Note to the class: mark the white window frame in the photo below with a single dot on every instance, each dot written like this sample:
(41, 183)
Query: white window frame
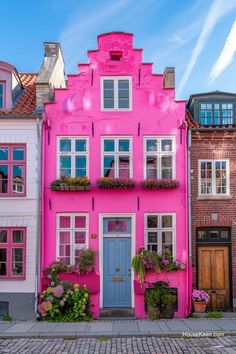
(72, 231)
(214, 194)
(159, 231)
(72, 153)
(159, 154)
(116, 79)
(116, 153)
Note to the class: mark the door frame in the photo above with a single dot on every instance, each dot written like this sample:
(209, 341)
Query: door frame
(133, 243)
(214, 244)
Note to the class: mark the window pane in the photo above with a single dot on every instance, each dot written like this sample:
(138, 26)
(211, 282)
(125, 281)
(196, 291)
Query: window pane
(17, 261)
(108, 103)
(152, 237)
(3, 179)
(206, 177)
(166, 145)
(124, 166)
(80, 237)
(1, 89)
(166, 221)
(214, 234)
(123, 103)
(108, 84)
(117, 225)
(1, 101)
(80, 222)
(18, 154)
(166, 164)
(151, 145)
(109, 145)
(3, 259)
(80, 145)
(3, 236)
(108, 93)
(80, 166)
(64, 222)
(123, 145)
(65, 166)
(220, 171)
(64, 250)
(152, 221)
(3, 154)
(123, 94)
(151, 165)
(18, 179)
(109, 166)
(64, 237)
(167, 237)
(201, 234)
(18, 236)
(65, 145)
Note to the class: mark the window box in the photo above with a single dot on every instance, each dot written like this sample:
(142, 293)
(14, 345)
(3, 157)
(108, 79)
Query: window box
(71, 184)
(115, 183)
(159, 184)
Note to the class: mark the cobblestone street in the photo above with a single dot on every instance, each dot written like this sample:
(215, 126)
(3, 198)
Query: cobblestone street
(119, 345)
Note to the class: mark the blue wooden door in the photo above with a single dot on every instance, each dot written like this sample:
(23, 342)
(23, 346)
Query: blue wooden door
(117, 272)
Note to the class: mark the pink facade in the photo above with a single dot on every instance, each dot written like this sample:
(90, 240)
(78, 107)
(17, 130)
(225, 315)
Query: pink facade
(153, 114)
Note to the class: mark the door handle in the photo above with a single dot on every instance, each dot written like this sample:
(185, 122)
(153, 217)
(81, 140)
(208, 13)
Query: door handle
(117, 269)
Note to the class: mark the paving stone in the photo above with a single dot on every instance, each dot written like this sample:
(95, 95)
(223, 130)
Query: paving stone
(100, 327)
(225, 324)
(71, 327)
(126, 327)
(202, 325)
(20, 327)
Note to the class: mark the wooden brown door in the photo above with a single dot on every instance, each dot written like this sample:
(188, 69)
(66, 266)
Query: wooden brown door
(213, 275)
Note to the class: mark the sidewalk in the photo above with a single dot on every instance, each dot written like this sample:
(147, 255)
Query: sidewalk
(124, 328)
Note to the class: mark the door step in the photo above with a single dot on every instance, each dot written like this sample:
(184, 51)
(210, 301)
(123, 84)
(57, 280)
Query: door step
(117, 313)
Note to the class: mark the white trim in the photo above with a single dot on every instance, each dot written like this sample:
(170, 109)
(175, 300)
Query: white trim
(116, 79)
(133, 243)
(213, 179)
(160, 229)
(117, 153)
(159, 154)
(72, 231)
(73, 153)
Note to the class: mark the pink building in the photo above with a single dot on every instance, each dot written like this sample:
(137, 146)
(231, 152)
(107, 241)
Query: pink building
(117, 119)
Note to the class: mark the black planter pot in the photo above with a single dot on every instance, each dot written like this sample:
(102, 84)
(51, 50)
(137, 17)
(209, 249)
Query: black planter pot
(167, 313)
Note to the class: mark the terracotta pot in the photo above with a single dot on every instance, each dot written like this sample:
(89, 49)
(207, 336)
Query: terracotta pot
(199, 306)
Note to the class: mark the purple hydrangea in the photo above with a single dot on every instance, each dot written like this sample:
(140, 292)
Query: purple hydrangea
(58, 291)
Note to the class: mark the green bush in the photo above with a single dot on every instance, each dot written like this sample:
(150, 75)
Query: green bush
(214, 314)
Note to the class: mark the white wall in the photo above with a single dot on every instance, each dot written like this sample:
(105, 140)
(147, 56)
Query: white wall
(21, 211)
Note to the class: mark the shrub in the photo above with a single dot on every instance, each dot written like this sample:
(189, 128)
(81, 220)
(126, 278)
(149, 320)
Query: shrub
(115, 183)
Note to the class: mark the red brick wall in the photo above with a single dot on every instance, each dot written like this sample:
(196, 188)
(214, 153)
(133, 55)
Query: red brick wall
(214, 145)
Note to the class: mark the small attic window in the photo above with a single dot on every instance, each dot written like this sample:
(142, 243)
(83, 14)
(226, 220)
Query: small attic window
(2, 88)
(116, 55)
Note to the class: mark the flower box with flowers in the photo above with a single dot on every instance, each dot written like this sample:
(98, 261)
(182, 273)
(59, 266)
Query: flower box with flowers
(159, 184)
(71, 184)
(115, 183)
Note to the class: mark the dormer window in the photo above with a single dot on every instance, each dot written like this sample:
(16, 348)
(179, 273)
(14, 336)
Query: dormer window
(217, 113)
(116, 55)
(2, 98)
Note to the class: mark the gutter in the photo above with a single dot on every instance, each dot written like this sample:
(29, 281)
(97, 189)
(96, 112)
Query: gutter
(38, 216)
(189, 217)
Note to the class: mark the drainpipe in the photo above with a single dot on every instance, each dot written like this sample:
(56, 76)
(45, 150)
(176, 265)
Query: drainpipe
(189, 217)
(38, 213)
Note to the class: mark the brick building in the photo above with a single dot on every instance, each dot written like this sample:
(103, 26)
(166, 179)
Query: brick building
(212, 147)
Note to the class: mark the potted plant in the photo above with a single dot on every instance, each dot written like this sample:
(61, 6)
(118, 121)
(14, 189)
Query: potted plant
(200, 299)
(145, 261)
(115, 183)
(153, 301)
(168, 300)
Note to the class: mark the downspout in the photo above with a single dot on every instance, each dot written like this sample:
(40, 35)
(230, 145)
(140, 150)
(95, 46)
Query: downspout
(38, 216)
(189, 219)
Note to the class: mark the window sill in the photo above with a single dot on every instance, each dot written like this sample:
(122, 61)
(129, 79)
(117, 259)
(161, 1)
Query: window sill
(214, 197)
(116, 110)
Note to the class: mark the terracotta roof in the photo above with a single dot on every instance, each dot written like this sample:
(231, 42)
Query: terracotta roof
(190, 121)
(26, 103)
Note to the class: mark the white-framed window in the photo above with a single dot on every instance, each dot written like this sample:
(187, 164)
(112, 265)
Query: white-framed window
(213, 177)
(72, 236)
(160, 232)
(216, 113)
(159, 157)
(116, 93)
(116, 157)
(72, 157)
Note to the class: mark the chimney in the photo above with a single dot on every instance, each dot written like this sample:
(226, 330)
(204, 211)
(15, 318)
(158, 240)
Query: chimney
(169, 78)
(51, 75)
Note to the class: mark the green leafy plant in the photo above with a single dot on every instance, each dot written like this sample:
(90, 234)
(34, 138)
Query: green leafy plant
(214, 314)
(6, 317)
(65, 303)
(68, 182)
(194, 315)
(143, 262)
(115, 183)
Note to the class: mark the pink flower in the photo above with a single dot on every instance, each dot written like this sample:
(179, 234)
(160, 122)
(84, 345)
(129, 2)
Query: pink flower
(58, 291)
(52, 283)
(62, 303)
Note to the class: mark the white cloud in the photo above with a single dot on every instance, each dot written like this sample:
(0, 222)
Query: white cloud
(226, 56)
(218, 9)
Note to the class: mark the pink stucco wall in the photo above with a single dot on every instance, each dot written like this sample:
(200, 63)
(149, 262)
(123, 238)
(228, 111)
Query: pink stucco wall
(73, 113)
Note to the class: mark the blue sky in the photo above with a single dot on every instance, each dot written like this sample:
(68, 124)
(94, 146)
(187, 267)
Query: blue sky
(198, 37)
